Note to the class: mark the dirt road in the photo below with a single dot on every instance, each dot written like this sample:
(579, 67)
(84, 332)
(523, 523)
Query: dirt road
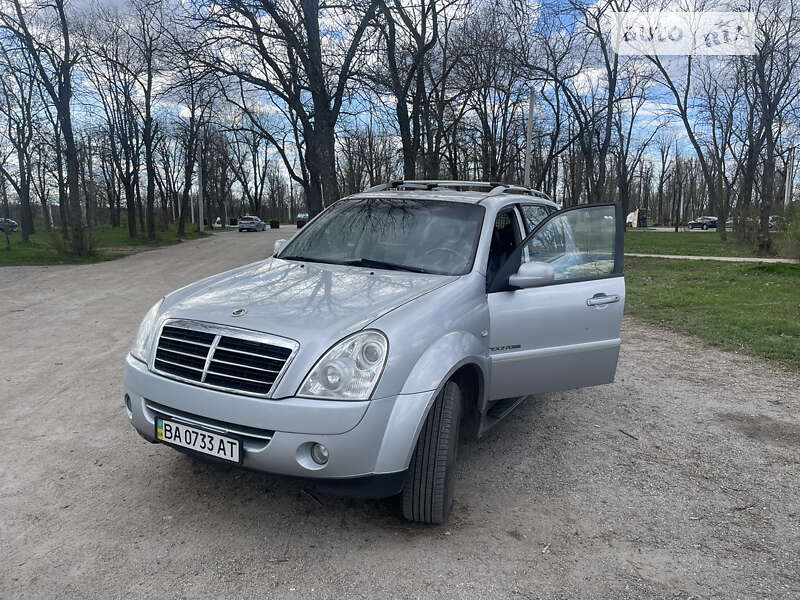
(679, 480)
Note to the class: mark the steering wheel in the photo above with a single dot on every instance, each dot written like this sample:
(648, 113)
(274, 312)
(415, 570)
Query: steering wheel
(455, 253)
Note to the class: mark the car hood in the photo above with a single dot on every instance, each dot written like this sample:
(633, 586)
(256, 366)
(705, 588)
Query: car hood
(301, 301)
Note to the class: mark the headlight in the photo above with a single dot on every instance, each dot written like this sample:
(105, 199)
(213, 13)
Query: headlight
(348, 371)
(142, 341)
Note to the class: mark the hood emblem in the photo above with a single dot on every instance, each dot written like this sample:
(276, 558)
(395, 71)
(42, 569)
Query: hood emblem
(239, 312)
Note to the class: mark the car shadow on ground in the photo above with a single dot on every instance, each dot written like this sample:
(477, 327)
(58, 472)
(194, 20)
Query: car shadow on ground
(228, 494)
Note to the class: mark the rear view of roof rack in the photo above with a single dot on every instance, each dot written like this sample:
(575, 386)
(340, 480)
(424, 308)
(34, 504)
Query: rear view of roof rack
(492, 188)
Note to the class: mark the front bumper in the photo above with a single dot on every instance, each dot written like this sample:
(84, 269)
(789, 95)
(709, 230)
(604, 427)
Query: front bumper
(359, 436)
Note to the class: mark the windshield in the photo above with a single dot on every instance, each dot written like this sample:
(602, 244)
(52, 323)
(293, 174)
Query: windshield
(426, 236)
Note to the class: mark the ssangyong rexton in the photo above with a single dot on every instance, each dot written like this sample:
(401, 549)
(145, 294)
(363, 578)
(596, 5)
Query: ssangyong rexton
(354, 353)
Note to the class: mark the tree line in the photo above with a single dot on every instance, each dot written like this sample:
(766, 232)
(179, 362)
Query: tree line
(128, 114)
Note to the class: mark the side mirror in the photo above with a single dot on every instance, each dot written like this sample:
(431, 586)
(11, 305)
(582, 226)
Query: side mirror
(279, 244)
(531, 274)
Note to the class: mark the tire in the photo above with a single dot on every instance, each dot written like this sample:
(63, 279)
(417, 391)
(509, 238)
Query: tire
(705, 227)
(428, 492)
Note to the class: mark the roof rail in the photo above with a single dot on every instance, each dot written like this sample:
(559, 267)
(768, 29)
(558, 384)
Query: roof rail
(502, 188)
(493, 188)
(377, 188)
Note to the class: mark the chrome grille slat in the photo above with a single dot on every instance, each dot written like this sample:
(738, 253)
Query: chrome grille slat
(225, 362)
(170, 350)
(215, 374)
(221, 347)
(172, 339)
(174, 364)
(206, 355)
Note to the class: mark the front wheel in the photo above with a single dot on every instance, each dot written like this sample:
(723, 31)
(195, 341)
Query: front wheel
(428, 492)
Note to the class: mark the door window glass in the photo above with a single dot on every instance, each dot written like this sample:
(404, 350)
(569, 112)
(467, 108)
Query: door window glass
(578, 244)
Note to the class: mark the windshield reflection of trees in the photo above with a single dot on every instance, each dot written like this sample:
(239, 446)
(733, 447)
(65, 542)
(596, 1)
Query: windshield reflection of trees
(403, 232)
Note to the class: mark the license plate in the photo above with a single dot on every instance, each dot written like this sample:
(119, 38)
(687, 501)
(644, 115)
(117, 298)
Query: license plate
(199, 440)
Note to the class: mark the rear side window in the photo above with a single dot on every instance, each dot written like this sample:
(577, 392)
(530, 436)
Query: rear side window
(532, 215)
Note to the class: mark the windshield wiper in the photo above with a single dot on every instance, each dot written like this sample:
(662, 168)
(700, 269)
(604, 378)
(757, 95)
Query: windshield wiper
(360, 262)
(313, 260)
(382, 264)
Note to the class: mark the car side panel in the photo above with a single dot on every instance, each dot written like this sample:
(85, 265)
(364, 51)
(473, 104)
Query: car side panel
(406, 417)
(452, 320)
(429, 341)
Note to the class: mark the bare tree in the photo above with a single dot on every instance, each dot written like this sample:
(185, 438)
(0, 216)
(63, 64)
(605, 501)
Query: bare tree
(777, 85)
(249, 164)
(407, 32)
(17, 93)
(53, 57)
(284, 41)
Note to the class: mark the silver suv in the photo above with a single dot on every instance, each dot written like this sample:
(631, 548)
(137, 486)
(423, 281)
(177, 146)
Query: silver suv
(355, 354)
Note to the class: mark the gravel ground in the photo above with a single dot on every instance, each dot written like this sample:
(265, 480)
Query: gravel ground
(679, 480)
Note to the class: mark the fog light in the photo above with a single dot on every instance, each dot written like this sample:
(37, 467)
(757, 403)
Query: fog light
(319, 453)
(127, 402)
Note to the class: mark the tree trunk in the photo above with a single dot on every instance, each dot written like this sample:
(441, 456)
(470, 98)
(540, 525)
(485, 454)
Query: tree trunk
(73, 168)
(148, 158)
(767, 192)
(24, 192)
(130, 203)
(4, 192)
(62, 195)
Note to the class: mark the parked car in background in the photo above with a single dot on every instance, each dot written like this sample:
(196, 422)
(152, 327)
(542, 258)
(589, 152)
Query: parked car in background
(353, 354)
(703, 223)
(302, 219)
(8, 225)
(251, 224)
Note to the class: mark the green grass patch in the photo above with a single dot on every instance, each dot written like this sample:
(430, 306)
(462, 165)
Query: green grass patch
(107, 244)
(694, 243)
(109, 237)
(41, 251)
(736, 306)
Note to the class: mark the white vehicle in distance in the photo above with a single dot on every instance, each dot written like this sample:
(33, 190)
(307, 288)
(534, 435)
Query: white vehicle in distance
(251, 224)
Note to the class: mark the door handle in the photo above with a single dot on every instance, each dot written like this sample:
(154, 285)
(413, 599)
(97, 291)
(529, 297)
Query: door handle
(599, 299)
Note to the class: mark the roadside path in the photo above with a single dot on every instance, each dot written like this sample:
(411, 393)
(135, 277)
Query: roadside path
(722, 258)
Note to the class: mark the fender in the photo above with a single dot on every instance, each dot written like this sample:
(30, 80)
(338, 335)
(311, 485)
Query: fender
(427, 378)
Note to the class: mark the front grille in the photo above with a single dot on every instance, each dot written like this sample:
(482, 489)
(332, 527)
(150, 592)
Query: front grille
(220, 358)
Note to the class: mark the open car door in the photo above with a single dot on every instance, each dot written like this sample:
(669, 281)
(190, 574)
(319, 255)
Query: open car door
(556, 304)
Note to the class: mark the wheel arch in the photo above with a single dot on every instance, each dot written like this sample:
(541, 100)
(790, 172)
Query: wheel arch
(410, 412)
